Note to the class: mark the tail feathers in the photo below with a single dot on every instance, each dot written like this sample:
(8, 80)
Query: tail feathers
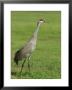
(16, 60)
(17, 57)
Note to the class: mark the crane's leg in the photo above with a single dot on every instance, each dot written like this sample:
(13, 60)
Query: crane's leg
(22, 66)
(29, 63)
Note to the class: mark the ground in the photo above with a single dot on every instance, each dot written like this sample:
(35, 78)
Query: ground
(46, 59)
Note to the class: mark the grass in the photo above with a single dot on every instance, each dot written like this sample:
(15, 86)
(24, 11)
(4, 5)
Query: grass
(46, 59)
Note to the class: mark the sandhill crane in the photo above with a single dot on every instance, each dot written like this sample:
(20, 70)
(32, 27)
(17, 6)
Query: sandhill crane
(26, 51)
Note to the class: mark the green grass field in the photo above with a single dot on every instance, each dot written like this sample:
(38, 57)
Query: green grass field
(46, 59)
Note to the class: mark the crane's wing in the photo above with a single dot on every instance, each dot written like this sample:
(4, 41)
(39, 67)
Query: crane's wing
(27, 49)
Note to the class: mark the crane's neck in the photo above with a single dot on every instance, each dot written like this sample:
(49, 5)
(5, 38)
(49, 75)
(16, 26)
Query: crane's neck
(37, 29)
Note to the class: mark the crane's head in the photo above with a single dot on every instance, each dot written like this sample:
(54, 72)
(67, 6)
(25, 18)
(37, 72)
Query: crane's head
(40, 21)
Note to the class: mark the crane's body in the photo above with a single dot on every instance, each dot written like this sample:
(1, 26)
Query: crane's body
(26, 51)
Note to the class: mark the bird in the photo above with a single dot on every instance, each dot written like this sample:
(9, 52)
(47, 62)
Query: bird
(26, 51)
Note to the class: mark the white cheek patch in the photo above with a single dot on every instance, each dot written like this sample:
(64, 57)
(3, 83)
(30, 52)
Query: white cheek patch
(41, 21)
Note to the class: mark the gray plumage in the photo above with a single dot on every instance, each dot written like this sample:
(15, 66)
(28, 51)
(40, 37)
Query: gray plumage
(26, 51)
